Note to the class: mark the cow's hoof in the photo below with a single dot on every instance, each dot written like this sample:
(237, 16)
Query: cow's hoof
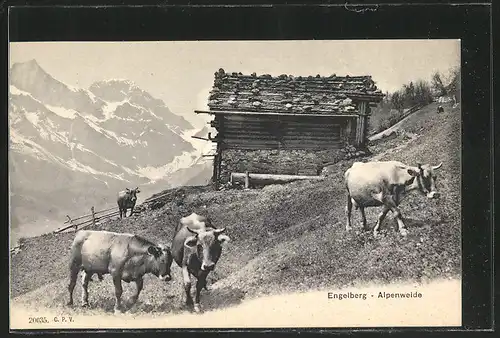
(84, 305)
(375, 234)
(197, 308)
(348, 228)
(403, 232)
(69, 303)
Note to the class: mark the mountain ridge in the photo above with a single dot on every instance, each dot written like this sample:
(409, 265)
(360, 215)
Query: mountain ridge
(84, 145)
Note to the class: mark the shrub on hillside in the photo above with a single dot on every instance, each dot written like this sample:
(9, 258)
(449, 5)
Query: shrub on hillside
(391, 110)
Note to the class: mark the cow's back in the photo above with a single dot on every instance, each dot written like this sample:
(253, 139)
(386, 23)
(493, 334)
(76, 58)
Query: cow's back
(178, 243)
(100, 249)
(122, 198)
(364, 179)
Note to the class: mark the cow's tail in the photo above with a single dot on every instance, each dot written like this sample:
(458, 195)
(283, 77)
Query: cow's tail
(348, 193)
(349, 200)
(76, 251)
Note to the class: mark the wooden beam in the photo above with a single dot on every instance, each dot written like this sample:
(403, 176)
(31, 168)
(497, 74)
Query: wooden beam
(231, 112)
(247, 146)
(263, 179)
(201, 138)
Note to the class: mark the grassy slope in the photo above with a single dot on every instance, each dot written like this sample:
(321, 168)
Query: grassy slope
(285, 238)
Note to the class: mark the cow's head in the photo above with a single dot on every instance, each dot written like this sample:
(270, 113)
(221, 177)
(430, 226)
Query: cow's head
(208, 242)
(133, 194)
(163, 260)
(425, 179)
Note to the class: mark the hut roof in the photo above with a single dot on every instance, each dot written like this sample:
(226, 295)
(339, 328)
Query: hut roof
(286, 93)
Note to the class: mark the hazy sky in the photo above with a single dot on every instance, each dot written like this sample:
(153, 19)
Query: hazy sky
(181, 73)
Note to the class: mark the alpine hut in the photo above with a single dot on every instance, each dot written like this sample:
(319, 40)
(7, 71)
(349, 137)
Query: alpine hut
(286, 125)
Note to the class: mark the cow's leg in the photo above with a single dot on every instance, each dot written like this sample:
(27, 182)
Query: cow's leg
(117, 281)
(348, 210)
(131, 211)
(363, 217)
(201, 283)
(187, 286)
(389, 202)
(72, 282)
(139, 283)
(380, 218)
(120, 212)
(86, 277)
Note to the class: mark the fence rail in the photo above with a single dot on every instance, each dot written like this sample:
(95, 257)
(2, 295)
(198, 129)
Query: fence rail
(95, 217)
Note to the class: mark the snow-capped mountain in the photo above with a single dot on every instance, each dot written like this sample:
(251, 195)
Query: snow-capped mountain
(74, 148)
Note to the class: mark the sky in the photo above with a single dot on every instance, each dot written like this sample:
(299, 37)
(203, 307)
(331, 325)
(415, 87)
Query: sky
(181, 73)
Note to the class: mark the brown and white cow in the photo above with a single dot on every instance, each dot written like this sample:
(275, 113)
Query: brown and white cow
(384, 183)
(126, 257)
(196, 248)
(127, 199)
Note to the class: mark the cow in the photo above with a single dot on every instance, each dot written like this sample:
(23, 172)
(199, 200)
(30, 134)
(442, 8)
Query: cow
(384, 183)
(196, 248)
(126, 200)
(126, 257)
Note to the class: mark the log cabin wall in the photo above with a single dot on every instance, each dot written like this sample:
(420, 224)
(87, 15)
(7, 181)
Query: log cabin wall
(284, 132)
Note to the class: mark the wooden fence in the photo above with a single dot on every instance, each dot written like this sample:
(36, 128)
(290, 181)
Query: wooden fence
(96, 217)
(90, 219)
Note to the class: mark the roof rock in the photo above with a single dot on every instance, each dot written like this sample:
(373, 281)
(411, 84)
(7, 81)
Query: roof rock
(312, 94)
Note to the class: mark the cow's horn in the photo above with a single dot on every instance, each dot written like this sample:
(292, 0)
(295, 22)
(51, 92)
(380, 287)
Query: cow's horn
(437, 166)
(193, 231)
(219, 231)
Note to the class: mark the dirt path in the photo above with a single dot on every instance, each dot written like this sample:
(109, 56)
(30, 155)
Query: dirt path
(438, 305)
(392, 129)
(379, 156)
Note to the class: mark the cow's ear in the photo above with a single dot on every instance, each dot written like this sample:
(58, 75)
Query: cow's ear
(223, 238)
(154, 251)
(412, 172)
(191, 241)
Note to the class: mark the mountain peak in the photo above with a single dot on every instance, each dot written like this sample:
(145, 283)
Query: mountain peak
(115, 82)
(28, 65)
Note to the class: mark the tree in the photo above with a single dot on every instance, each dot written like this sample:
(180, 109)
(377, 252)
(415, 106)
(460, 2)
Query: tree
(437, 84)
(423, 94)
(454, 86)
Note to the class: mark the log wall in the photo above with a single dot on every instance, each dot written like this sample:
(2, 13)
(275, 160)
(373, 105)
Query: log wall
(284, 132)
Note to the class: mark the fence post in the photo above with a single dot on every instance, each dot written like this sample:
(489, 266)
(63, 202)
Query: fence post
(247, 180)
(93, 216)
(71, 222)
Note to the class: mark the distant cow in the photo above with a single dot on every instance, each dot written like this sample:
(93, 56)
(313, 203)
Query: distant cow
(126, 200)
(440, 109)
(125, 257)
(196, 248)
(374, 184)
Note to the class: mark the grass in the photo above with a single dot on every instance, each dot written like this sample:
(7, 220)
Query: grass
(283, 238)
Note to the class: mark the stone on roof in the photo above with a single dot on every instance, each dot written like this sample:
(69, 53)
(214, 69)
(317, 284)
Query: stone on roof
(286, 93)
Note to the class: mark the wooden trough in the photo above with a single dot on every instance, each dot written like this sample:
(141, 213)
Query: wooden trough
(267, 179)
